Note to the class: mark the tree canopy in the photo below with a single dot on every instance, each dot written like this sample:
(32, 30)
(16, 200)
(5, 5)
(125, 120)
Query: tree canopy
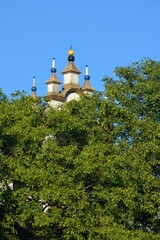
(90, 170)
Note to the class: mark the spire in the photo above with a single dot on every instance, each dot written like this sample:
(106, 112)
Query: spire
(87, 88)
(87, 77)
(34, 89)
(53, 69)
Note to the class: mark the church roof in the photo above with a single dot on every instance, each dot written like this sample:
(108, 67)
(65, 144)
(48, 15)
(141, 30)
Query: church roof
(54, 96)
(87, 86)
(71, 68)
(53, 79)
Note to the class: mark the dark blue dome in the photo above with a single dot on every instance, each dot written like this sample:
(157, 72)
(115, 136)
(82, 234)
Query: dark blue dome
(86, 77)
(53, 70)
(71, 58)
(33, 89)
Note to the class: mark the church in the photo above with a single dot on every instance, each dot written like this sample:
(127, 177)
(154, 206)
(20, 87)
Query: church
(71, 90)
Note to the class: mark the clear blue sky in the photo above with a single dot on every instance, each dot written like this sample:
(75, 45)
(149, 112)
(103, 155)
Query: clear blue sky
(103, 33)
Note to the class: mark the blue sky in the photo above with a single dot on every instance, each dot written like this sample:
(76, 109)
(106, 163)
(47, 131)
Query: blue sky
(104, 34)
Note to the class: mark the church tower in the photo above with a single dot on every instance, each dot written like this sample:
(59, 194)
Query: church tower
(53, 96)
(71, 89)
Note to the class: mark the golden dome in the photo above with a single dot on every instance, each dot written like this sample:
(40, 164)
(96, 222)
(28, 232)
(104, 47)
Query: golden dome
(70, 52)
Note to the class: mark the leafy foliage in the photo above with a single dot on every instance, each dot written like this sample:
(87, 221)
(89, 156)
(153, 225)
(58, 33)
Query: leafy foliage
(88, 171)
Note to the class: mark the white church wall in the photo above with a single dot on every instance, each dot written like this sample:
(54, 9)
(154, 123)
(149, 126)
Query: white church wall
(71, 78)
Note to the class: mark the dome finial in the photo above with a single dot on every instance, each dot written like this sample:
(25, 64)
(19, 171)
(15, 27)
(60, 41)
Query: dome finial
(87, 77)
(71, 58)
(70, 52)
(34, 89)
(34, 83)
(53, 69)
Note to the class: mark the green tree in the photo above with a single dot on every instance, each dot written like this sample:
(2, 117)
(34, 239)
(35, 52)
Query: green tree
(88, 171)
